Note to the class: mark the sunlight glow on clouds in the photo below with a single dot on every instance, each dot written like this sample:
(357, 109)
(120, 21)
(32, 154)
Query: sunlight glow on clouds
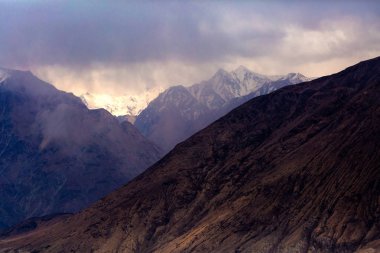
(119, 47)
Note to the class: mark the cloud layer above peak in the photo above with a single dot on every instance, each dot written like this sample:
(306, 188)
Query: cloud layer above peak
(115, 46)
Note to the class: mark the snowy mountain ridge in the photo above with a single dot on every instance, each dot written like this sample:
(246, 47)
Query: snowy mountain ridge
(180, 111)
(213, 93)
(121, 105)
(224, 86)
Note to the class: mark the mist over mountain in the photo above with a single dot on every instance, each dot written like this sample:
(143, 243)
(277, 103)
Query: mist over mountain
(55, 154)
(296, 170)
(130, 105)
(180, 111)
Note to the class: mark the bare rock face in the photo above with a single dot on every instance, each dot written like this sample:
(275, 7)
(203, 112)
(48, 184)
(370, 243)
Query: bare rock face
(293, 171)
(58, 156)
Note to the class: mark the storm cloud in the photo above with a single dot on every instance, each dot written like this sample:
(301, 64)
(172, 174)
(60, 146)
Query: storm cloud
(122, 46)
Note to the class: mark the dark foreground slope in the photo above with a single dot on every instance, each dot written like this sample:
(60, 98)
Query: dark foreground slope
(55, 154)
(297, 170)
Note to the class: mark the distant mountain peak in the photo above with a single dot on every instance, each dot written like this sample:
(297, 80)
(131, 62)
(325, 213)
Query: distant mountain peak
(297, 75)
(295, 78)
(184, 110)
(221, 72)
(242, 68)
(243, 72)
(10, 72)
(125, 104)
(25, 81)
(175, 88)
(175, 95)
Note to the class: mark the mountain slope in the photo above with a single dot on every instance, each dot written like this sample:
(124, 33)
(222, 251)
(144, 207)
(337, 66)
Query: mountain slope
(293, 171)
(167, 123)
(170, 117)
(55, 153)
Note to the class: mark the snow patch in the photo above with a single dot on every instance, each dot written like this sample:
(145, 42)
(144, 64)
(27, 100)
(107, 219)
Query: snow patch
(123, 104)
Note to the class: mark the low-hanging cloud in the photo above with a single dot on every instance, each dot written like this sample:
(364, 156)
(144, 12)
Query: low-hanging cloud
(113, 46)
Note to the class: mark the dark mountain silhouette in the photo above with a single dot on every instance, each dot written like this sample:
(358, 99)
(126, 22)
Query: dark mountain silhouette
(293, 171)
(55, 154)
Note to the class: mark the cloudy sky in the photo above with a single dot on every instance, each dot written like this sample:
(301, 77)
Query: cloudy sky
(119, 47)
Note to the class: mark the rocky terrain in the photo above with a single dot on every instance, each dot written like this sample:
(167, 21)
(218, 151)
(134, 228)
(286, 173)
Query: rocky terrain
(180, 111)
(55, 154)
(293, 171)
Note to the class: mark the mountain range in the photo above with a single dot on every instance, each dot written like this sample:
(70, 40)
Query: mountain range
(296, 170)
(55, 154)
(180, 111)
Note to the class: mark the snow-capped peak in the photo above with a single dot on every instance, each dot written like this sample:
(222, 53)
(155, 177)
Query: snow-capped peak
(222, 86)
(295, 75)
(296, 78)
(242, 73)
(241, 69)
(123, 104)
(221, 73)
